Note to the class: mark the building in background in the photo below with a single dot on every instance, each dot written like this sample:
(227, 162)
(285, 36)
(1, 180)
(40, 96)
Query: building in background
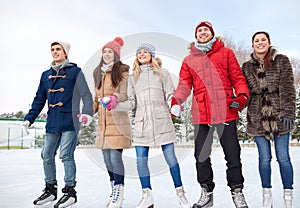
(11, 134)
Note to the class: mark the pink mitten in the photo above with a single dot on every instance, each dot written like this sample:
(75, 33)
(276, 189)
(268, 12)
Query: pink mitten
(85, 119)
(112, 103)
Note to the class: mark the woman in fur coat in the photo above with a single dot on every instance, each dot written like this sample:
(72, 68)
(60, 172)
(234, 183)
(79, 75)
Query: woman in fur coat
(271, 112)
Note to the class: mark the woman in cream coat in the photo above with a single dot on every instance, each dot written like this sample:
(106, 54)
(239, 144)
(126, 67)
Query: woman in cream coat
(150, 88)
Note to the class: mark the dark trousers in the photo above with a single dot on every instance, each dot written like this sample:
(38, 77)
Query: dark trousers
(227, 133)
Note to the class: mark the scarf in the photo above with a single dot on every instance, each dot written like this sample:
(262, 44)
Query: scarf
(269, 123)
(205, 47)
(58, 67)
(104, 66)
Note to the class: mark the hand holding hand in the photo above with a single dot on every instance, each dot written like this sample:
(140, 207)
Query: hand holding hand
(176, 110)
(25, 127)
(104, 101)
(85, 119)
(238, 103)
(176, 107)
(288, 123)
(112, 103)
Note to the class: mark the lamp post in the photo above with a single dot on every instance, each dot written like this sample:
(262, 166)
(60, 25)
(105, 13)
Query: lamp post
(8, 135)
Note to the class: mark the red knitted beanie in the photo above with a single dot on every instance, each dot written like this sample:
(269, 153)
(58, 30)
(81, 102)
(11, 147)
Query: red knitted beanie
(115, 45)
(206, 24)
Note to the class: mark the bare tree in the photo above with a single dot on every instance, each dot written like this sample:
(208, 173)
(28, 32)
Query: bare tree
(241, 51)
(295, 62)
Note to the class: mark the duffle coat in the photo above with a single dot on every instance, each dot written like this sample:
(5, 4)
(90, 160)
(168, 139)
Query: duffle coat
(63, 91)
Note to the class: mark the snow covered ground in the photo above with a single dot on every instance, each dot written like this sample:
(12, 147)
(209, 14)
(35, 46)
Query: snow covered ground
(21, 178)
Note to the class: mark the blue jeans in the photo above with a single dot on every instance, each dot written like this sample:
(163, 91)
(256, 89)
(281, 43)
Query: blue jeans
(67, 141)
(281, 144)
(143, 169)
(114, 165)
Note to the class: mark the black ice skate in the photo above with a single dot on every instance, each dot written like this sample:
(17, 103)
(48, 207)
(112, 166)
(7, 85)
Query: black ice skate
(68, 198)
(206, 199)
(50, 194)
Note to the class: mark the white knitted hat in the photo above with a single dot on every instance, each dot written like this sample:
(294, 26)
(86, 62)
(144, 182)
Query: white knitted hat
(66, 46)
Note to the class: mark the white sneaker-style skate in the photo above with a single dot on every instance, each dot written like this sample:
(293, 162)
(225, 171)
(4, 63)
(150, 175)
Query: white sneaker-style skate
(239, 198)
(267, 198)
(288, 197)
(206, 199)
(184, 203)
(147, 199)
(108, 200)
(118, 196)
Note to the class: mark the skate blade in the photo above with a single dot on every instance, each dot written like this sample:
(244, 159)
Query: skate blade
(199, 206)
(69, 206)
(47, 205)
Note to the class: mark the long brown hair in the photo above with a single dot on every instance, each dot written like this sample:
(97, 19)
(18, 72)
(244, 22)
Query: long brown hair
(116, 72)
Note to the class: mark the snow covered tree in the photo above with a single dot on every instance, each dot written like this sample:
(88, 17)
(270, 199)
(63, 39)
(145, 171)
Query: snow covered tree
(186, 119)
(296, 132)
(87, 134)
(241, 127)
(183, 125)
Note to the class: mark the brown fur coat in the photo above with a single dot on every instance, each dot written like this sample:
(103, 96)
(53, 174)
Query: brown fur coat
(273, 95)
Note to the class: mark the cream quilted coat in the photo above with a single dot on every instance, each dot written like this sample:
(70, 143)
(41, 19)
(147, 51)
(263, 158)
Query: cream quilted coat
(150, 96)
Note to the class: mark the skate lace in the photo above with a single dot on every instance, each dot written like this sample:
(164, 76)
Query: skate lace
(142, 201)
(239, 199)
(45, 194)
(113, 188)
(267, 199)
(112, 191)
(144, 196)
(64, 198)
(116, 195)
(182, 198)
(204, 198)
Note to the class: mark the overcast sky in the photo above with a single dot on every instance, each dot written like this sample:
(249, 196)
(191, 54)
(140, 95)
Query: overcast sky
(28, 28)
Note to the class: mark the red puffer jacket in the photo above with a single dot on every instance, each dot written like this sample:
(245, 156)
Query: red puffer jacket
(215, 78)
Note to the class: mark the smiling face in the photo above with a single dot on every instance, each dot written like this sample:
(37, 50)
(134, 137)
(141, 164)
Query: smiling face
(203, 34)
(58, 54)
(108, 55)
(143, 56)
(261, 45)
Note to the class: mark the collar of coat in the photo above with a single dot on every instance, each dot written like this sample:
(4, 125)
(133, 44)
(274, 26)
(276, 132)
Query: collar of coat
(255, 59)
(219, 43)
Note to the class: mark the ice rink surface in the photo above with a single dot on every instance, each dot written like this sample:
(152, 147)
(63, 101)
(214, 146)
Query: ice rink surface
(21, 178)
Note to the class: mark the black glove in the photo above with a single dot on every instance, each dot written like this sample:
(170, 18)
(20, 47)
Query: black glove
(239, 102)
(288, 123)
(234, 104)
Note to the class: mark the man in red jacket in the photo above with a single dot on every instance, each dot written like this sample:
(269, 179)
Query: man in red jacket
(219, 91)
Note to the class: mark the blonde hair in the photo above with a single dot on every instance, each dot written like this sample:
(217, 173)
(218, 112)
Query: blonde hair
(155, 63)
